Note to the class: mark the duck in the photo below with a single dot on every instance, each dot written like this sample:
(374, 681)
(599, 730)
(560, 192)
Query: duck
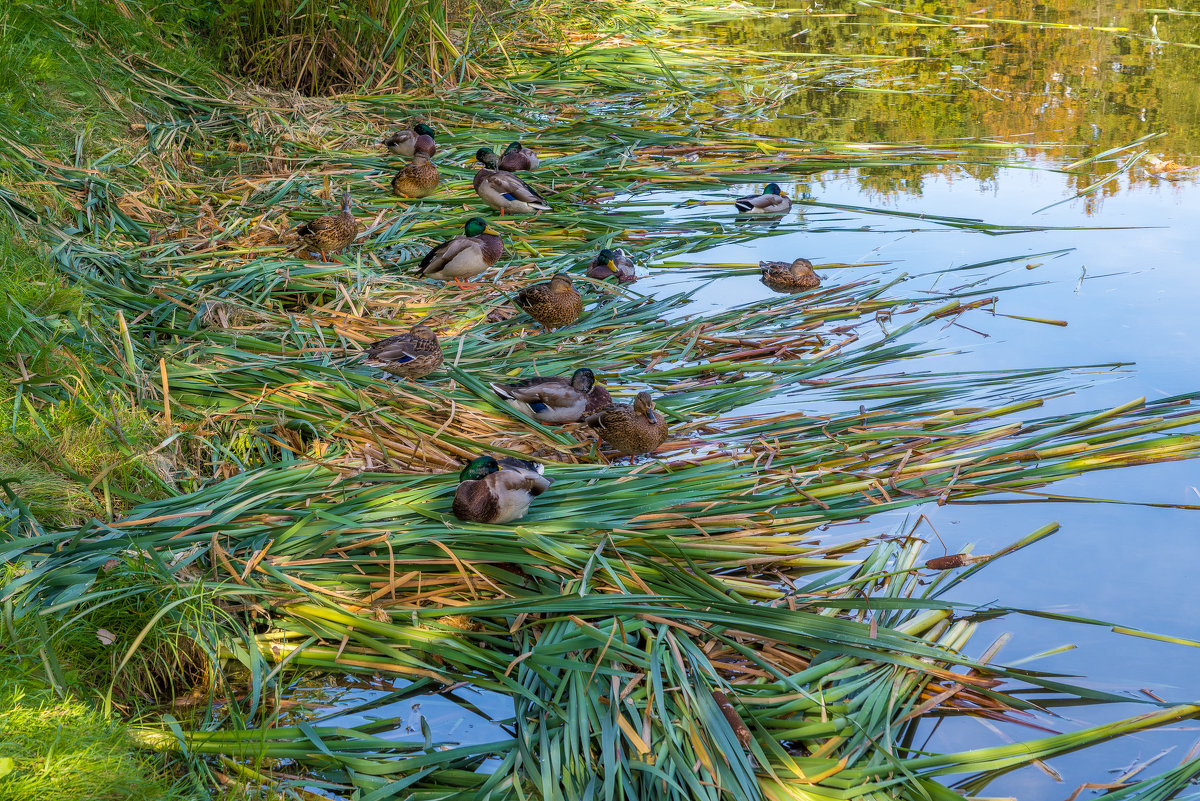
(556, 399)
(771, 201)
(504, 191)
(405, 143)
(330, 232)
(464, 256)
(612, 264)
(783, 277)
(411, 355)
(552, 303)
(419, 177)
(517, 157)
(498, 491)
(630, 430)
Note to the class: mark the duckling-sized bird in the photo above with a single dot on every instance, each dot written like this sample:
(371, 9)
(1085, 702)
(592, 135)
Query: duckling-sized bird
(630, 430)
(783, 277)
(503, 190)
(411, 355)
(329, 233)
(612, 264)
(418, 178)
(556, 399)
(517, 157)
(464, 256)
(771, 201)
(406, 143)
(498, 491)
(553, 303)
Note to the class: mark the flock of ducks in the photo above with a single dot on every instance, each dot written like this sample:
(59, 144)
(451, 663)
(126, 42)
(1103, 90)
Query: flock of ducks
(494, 490)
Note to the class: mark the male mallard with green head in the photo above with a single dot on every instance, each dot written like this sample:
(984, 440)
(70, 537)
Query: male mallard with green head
(464, 256)
(503, 190)
(771, 201)
(556, 399)
(553, 303)
(419, 177)
(410, 355)
(612, 264)
(329, 233)
(498, 491)
(630, 430)
(407, 142)
(517, 158)
(783, 277)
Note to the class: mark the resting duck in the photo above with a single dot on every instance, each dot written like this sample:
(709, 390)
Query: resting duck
(517, 158)
(553, 303)
(556, 399)
(612, 264)
(464, 256)
(411, 355)
(498, 491)
(405, 143)
(329, 233)
(630, 430)
(503, 190)
(420, 177)
(771, 201)
(783, 277)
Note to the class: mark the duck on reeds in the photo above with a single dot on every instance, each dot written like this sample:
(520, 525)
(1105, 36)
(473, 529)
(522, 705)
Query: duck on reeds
(553, 303)
(518, 158)
(498, 491)
(783, 277)
(406, 143)
(419, 177)
(630, 430)
(771, 201)
(556, 399)
(410, 355)
(612, 264)
(464, 256)
(329, 233)
(503, 190)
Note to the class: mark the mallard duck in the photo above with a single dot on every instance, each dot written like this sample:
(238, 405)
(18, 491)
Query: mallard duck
(771, 201)
(498, 491)
(464, 256)
(418, 178)
(630, 430)
(517, 157)
(329, 233)
(553, 303)
(410, 355)
(503, 190)
(783, 277)
(556, 399)
(612, 264)
(407, 142)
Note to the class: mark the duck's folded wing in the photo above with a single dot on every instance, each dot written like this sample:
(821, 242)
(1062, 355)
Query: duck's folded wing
(522, 480)
(443, 254)
(513, 187)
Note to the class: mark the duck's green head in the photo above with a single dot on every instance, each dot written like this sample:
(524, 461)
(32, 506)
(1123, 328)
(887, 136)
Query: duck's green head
(487, 157)
(476, 226)
(773, 189)
(513, 147)
(423, 129)
(607, 258)
(583, 379)
(479, 467)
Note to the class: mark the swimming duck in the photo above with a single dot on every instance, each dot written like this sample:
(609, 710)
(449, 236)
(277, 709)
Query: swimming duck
(498, 491)
(772, 201)
(630, 430)
(556, 399)
(553, 303)
(783, 277)
(418, 178)
(464, 256)
(503, 190)
(411, 355)
(405, 143)
(330, 232)
(517, 157)
(612, 264)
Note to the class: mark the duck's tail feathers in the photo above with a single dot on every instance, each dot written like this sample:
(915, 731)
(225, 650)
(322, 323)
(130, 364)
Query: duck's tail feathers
(743, 205)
